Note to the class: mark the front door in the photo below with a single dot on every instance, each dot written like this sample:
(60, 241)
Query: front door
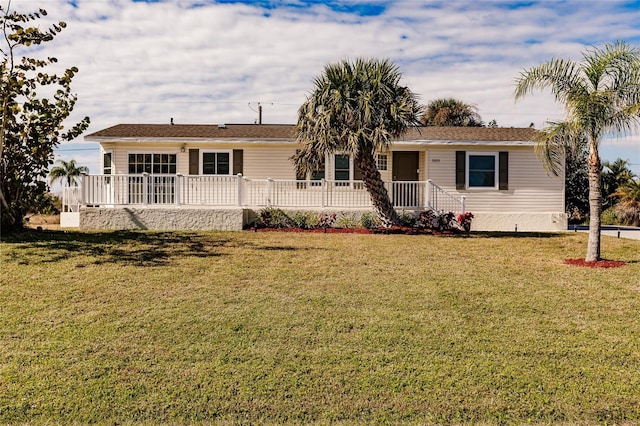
(405, 169)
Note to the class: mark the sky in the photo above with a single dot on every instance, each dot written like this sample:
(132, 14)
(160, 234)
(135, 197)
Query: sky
(214, 62)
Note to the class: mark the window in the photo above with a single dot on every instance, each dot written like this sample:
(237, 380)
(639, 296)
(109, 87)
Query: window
(152, 163)
(107, 165)
(164, 164)
(318, 174)
(315, 176)
(382, 162)
(139, 163)
(482, 171)
(216, 163)
(342, 169)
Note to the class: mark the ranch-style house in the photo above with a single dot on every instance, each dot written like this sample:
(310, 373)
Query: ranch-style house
(157, 176)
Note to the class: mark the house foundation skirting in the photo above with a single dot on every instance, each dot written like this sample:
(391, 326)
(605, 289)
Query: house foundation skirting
(234, 219)
(520, 222)
(168, 219)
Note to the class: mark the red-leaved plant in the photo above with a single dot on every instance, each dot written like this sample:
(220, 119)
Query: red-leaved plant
(464, 219)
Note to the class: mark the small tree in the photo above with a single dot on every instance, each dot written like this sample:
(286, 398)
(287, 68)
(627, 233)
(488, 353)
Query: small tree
(31, 121)
(614, 175)
(356, 108)
(628, 207)
(600, 94)
(68, 172)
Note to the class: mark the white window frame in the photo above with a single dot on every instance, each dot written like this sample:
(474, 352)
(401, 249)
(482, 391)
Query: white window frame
(338, 183)
(496, 165)
(152, 154)
(215, 151)
(379, 161)
(309, 183)
(105, 152)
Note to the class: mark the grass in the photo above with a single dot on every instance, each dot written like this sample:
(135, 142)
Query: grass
(144, 327)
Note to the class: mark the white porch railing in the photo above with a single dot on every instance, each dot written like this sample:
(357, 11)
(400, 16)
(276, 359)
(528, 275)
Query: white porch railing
(178, 190)
(440, 200)
(71, 199)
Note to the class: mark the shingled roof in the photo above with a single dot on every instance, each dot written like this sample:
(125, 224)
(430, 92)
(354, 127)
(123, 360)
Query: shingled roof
(287, 131)
(196, 131)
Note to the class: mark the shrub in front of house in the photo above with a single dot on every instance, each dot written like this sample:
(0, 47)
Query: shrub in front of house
(407, 219)
(305, 220)
(274, 218)
(326, 220)
(427, 220)
(348, 220)
(464, 219)
(370, 220)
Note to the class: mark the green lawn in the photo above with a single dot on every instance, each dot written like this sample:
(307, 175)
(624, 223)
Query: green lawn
(142, 327)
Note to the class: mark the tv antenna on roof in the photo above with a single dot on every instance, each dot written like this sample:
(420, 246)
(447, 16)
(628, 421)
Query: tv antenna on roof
(259, 111)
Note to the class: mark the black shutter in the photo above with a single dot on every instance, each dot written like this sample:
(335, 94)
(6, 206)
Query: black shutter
(461, 159)
(503, 171)
(238, 159)
(357, 172)
(194, 161)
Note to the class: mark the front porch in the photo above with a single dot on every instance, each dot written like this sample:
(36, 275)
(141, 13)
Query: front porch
(184, 200)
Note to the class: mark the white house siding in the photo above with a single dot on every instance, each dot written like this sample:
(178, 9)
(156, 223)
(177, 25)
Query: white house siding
(121, 155)
(531, 189)
(261, 162)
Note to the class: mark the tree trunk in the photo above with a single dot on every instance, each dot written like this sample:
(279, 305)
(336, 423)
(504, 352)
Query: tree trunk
(375, 186)
(595, 202)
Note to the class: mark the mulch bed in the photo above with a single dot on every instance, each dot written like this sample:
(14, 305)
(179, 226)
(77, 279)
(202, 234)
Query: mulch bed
(603, 263)
(316, 230)
(402, 230)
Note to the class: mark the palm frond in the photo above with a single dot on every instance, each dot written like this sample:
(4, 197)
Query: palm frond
(563, 77)
(451, 112)
(555, 141)
(354, 106)
(629, 192)
(67, 171)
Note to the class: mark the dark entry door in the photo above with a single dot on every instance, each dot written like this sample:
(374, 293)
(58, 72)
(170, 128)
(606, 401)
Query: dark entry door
(405, 172)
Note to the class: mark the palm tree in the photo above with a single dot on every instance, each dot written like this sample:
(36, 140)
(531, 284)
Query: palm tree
(614, 175)
(67, 172)
(356, 108)
(600, 94)
(451, 112)
(628, 207)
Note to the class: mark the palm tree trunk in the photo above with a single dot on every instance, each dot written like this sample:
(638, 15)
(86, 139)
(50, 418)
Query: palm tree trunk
(375, 186)
(595, 202)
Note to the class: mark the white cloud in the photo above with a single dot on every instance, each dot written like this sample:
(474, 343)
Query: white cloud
(625, 140)
(148, 62)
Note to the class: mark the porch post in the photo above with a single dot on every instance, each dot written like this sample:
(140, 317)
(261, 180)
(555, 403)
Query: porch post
(428, 194)
(269, 186)
(323, 184)
(240, 189)
(176, 192)
(83, 188)
(464, 203)
(145, 188)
